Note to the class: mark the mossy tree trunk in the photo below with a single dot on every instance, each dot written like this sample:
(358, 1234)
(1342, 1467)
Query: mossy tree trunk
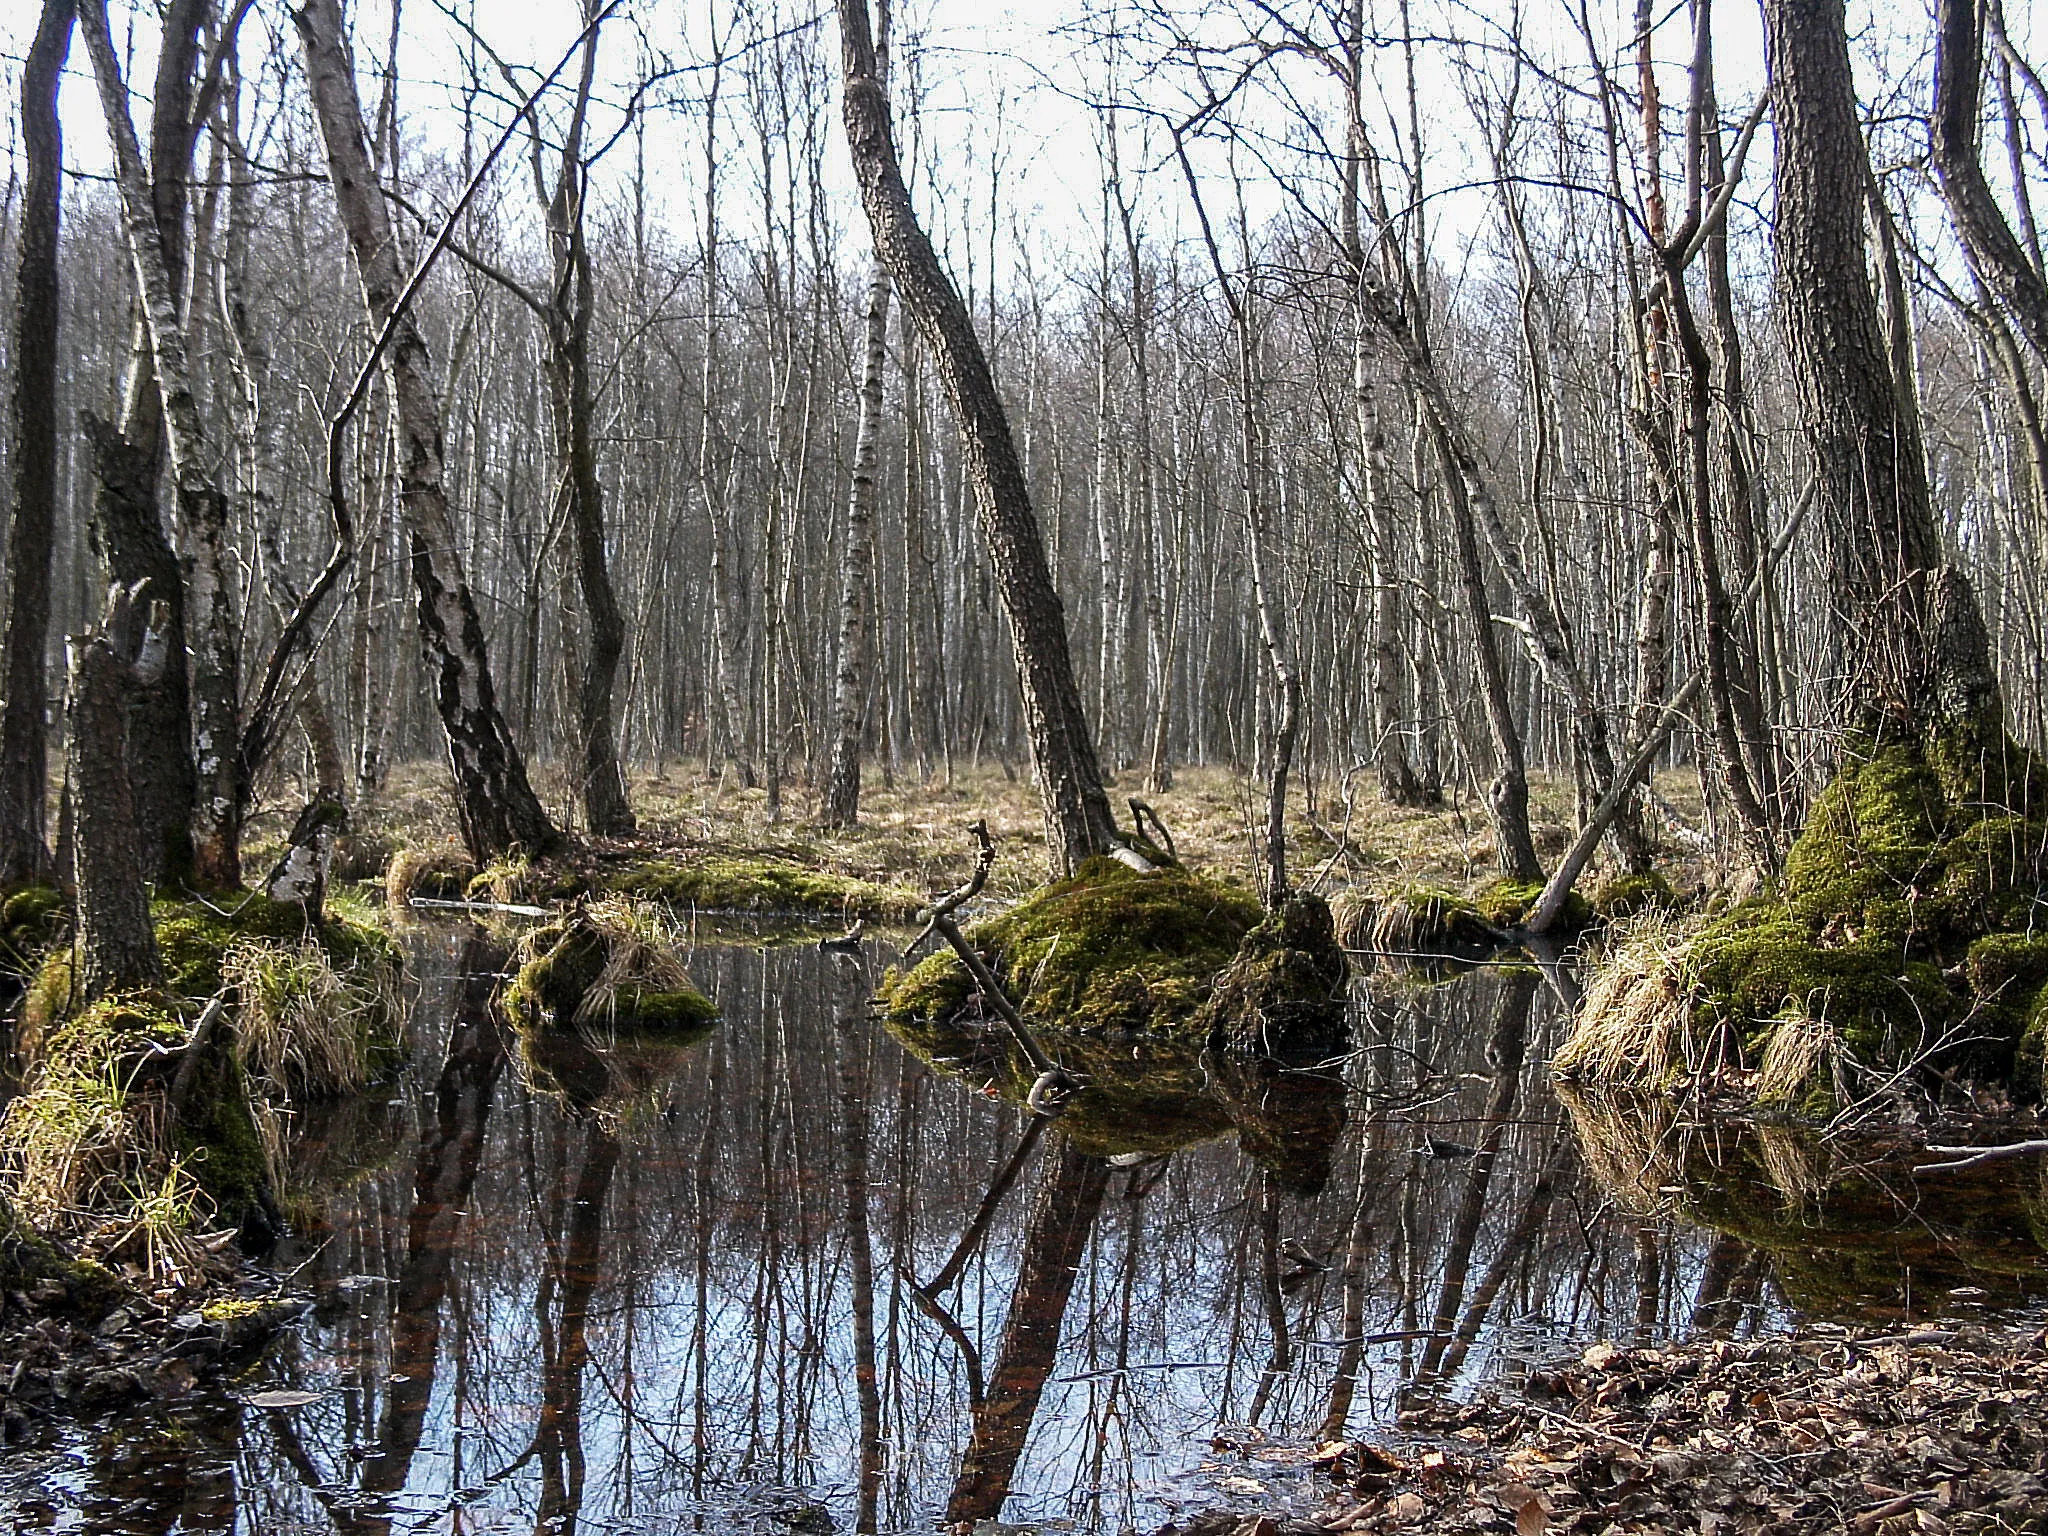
(1078, 821)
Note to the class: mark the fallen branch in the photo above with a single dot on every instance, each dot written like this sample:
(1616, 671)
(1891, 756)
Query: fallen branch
(1055, 1085)
(435, 904)
(1971, 1157)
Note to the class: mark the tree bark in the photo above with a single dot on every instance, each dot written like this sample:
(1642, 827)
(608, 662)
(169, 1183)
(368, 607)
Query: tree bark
(572, 300)
(1077, 816)
(31, 535)
(496, 804)
(116, 945)
(215, 676)
(856, 618)
(1913, 647)
(1996, 256)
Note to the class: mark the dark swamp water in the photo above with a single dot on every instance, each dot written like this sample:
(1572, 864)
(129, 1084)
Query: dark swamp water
(621, 1289)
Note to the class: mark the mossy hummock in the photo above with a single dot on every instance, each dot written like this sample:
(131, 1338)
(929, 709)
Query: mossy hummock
(767, 884)
(1908, 926)
(1108, 949)
(1284, 993)
(611, 962)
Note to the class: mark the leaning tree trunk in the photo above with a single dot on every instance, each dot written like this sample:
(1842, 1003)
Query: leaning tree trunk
(1077, 815)
(1913, 647)
(856, 614)
(1996, 255)
(24, 849)
(496, 805)
(116, 945)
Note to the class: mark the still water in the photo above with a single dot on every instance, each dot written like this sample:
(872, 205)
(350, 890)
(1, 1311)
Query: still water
(794, 1269)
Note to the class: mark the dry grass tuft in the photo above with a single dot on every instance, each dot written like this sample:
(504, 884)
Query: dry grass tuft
(302, 1029)
(1634, 1028)
(1805, 1053)
(441, 870)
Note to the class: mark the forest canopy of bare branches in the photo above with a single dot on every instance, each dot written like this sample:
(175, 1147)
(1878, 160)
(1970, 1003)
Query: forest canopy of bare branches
(1360, 322)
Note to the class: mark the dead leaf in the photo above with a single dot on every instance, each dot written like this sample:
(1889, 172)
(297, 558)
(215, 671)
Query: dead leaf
(281, 1397)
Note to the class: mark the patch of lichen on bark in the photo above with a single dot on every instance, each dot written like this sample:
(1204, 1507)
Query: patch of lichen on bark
(1108, 949)
(1907, 920)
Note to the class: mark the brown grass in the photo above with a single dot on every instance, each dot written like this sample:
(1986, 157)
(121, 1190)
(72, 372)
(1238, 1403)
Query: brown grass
(1634, 1029)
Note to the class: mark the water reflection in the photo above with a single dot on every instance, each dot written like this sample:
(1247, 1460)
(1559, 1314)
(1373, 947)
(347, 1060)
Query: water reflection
(793, 1272)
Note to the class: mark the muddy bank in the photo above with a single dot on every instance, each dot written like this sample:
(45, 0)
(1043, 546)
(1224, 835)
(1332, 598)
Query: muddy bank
(1942, 1428)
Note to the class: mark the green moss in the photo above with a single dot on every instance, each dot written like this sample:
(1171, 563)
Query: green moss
(1905, 916)
(1506, 903)
(764, 883)
(1108, 949)
(193, 937)
(1284, 992)
(1627, 895)
(1426, 919)
(35, 1266)
(32, 918)
(230, 1308)
(646, 990)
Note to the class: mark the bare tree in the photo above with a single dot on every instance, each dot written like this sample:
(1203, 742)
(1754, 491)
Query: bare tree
(498, 807)
(31, 534)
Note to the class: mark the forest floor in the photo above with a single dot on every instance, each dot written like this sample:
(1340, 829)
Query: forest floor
(913, 833)
(1936, 1429)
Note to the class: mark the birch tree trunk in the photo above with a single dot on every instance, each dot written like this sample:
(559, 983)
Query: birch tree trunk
(1078, 822)
(31, 535)
(496, 805)
(212, 609)
(856, 618)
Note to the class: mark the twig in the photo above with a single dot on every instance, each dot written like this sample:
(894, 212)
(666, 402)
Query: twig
(1055, 1084)
(202, 1036)
(1972, 1156)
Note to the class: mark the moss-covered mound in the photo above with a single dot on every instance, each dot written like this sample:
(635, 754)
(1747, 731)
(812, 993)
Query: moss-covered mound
(1108, 949)
(103, 1135)
(194, 938)
(611, 962)
(1908, 926)
(1624, 896)
(765, 883)
(1851, 1235)
(1507, 903)
(34, 1266)
(1284, 992)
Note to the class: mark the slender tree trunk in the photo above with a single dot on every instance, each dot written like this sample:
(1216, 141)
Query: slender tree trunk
(496, 805)
(213, 619)
(31, 535)
(1077, 815)
(856, 622)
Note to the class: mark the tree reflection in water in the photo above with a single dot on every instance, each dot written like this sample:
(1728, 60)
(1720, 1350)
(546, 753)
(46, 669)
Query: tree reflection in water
(597, 1285)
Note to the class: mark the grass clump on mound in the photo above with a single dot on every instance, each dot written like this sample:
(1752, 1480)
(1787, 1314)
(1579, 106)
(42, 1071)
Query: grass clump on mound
(612, 962)
(126, 1146)
(1285, 990)
(438, 871)
(1906, 928)
(1625, 896)
(761, 883)
(1409, 919)
(1106, 949)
